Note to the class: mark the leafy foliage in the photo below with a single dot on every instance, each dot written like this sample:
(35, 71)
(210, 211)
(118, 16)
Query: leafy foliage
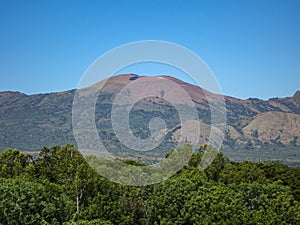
(59, 187)
(24, 202)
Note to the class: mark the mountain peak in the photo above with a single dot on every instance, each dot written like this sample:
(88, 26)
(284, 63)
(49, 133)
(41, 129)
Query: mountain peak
(297, 95)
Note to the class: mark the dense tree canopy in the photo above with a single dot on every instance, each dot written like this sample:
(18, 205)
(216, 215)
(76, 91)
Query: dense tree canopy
(59, 187)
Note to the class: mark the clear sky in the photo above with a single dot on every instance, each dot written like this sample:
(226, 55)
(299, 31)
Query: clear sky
(253, 47)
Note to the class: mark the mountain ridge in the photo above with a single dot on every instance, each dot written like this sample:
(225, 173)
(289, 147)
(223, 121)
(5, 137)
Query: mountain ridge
(29, 122)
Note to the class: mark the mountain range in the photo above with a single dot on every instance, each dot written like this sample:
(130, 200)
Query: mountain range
(255, 129)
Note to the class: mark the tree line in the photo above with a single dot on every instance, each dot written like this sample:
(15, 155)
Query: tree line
(59, 187)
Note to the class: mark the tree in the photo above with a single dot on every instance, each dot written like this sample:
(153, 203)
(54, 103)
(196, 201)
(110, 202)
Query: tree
(24, 202)
(13, 163)
(243, 172)
(215, 168)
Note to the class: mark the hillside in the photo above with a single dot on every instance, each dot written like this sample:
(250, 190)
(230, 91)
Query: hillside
(283, 127)
(256, 129)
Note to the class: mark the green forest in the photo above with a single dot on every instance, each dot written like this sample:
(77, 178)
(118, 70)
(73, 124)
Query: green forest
(59, 187)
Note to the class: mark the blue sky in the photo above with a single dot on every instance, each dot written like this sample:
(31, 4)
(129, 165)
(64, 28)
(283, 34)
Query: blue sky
(253, 47)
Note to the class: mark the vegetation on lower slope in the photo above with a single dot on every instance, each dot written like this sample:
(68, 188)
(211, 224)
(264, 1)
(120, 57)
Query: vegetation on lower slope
(257, 129)
(58, 187)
